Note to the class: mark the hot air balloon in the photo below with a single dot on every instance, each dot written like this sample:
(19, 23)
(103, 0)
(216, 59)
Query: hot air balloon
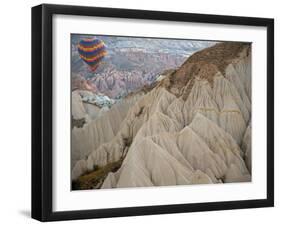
(92, 51)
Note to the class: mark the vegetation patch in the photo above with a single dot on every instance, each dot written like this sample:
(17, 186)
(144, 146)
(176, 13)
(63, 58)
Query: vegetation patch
(95, 178)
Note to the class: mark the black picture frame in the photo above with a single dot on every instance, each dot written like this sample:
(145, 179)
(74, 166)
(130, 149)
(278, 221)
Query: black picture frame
(42, 107)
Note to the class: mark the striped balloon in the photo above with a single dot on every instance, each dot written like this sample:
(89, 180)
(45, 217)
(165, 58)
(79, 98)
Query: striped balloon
(92, 51)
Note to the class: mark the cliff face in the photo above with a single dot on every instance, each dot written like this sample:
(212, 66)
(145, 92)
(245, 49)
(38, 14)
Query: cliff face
(193, 127)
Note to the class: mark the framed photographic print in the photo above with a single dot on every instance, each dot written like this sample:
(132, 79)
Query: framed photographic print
(147, 112)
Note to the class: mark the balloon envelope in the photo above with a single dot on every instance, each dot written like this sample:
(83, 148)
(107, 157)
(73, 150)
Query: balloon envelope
(92, 51)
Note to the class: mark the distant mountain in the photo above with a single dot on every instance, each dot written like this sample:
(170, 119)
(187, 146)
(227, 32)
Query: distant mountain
(183, 47)
(132, 63)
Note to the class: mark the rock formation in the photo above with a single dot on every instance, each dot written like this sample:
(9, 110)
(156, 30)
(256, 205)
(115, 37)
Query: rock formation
(193, 127)
(130, 63)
